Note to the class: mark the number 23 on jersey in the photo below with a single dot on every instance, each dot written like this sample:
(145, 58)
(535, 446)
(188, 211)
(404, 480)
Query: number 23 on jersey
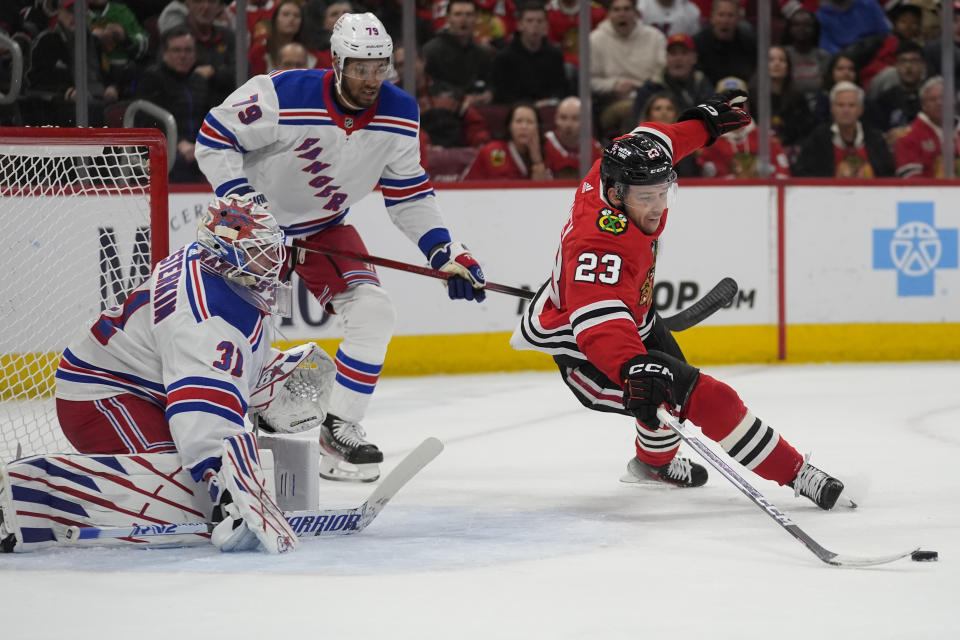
(592, 268)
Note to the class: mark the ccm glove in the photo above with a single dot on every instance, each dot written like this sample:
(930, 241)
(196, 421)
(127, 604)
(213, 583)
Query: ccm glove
(721, 114)
(466, 279)
(229, 532)
(647, 383)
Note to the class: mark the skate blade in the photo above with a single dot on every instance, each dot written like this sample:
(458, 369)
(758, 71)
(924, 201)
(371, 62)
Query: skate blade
(342, 471)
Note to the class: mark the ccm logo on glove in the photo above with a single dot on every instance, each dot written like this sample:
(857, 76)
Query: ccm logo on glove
(650, 367)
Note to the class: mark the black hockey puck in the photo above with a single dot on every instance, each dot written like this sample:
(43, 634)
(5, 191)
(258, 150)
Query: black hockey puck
(924, 556)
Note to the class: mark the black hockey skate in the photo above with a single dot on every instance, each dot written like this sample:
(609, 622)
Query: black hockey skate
(348, 456)
(680, 471)
(822, 488)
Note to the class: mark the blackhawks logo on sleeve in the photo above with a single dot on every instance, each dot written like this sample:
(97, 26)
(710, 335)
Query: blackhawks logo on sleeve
(612, 221)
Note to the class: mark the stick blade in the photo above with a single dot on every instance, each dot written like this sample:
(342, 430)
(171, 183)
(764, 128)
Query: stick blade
(839, 560)
(414, 461)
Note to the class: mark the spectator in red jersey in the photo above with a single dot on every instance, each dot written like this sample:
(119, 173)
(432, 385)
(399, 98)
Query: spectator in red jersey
(561, 147)
(918, 152)
(285, 27)
(876, 55)
(257, 10)
(845, 147)
(517, 158)
(448, 122)
(563, 16)
(734, 155)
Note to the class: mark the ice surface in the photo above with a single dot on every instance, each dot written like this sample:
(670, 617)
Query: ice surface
(520, 529)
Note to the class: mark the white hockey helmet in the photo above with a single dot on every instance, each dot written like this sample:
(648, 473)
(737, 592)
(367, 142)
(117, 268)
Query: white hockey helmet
(360, 36)
(247, 247)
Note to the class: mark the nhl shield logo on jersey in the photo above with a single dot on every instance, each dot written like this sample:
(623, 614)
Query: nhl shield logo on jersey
(348, 122)
(612, 221)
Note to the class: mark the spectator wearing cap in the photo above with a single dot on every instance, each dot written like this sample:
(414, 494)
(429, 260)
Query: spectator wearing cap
(734, 154)
(687, 84)
(875, 55)
(624, 53)
(670, 16)
(723, 49)
(561, 146)
(808, 62)
(529, 68)
(844, 147)
(918, 153)
(895, 108)
(843, 22)
(52, 95)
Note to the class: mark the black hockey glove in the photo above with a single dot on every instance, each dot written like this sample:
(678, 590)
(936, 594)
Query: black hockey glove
(647, 383)
(721, 114)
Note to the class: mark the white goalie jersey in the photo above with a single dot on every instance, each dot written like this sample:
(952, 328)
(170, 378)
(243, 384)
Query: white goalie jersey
(284, 136)
(185, 341)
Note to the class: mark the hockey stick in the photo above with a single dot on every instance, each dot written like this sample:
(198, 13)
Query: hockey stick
(757, 498)
(405, 266)
(323, 522)
(720, 295)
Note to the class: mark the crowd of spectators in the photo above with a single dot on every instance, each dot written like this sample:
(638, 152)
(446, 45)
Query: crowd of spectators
(854, 84)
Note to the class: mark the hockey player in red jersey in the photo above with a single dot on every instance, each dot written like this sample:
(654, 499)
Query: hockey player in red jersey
(595, 315)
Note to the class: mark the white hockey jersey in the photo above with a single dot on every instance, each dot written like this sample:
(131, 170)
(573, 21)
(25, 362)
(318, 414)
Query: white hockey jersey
(284, 136)
(183, 340)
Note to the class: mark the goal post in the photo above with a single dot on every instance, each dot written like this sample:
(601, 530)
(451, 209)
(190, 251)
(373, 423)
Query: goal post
(83, 214)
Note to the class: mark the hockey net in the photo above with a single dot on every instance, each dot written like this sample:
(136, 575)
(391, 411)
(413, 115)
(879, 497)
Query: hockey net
(84, 217)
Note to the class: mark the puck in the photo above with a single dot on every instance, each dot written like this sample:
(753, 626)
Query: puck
(924, 556)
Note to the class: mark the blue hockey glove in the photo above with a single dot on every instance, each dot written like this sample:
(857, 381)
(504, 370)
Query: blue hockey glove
(466, 277)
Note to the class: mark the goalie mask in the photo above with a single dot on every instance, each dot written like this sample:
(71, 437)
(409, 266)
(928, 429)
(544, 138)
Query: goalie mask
(637, 163)
(362, 38)
(247, 246)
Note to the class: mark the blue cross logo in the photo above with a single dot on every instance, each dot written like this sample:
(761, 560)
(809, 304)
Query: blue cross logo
(916, 249)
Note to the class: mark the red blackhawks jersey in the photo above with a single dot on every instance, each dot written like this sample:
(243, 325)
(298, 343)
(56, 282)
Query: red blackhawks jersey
(595, 305)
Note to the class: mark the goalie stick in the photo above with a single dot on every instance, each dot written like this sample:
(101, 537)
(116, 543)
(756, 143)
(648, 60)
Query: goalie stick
(720, 295)
(322, 522)
(757, 498)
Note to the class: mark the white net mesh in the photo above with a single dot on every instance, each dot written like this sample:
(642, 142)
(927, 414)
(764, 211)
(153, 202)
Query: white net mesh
(75, 241)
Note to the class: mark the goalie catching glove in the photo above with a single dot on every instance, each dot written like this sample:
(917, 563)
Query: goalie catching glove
(466, 279)
(721, 114)
(293, 391)
(245, 516)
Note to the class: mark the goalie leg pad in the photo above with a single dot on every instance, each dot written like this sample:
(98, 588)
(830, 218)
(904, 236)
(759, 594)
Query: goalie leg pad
(40, 496)
(250, 499)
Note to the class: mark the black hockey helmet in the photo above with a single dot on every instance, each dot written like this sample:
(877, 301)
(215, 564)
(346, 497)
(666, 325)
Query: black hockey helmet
(640, 158)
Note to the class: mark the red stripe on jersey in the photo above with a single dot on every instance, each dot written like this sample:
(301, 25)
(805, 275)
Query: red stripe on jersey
(357, 376)
(218, 397)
